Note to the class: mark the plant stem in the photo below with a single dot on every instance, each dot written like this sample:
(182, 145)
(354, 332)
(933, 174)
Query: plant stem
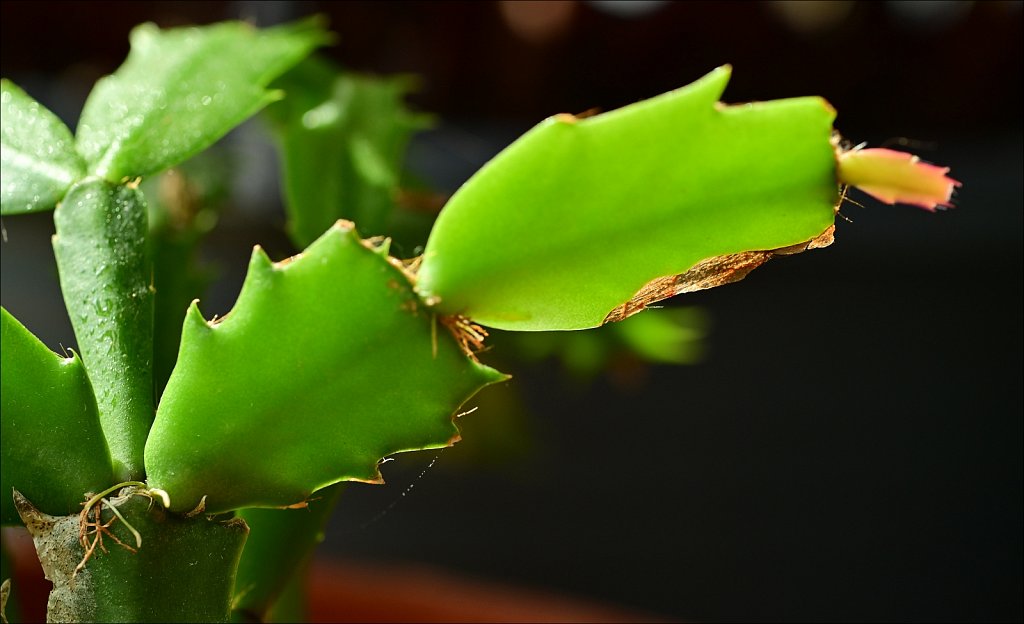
(105, 275)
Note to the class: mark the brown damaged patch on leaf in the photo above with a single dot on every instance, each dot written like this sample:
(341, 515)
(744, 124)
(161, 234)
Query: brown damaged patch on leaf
(59, 552)
(377, 480)
(374, 243)
(709, 273)
(5, 593)
(280, 264)
(569, 118)
(236, 524)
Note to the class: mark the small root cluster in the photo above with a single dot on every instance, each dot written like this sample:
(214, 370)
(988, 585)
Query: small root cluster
(92, 528)
(468, 334)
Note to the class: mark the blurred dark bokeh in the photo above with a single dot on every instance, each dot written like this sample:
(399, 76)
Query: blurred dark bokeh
(851, 447)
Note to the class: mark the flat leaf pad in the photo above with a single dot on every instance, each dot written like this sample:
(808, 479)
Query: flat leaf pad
(578, 215)
(327, 363)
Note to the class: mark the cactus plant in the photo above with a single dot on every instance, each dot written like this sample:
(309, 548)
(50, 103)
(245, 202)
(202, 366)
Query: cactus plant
(335, 358)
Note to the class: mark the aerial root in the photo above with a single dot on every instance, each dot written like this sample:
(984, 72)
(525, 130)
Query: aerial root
(468, 334)
(91, 532)
(92, 528)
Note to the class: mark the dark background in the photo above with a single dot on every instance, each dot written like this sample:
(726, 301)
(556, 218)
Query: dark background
(850, 449)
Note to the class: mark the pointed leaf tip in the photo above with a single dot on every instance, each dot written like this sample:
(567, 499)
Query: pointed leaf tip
(897, 177)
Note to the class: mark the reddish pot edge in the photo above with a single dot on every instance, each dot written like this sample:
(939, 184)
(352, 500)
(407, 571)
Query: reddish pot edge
(341, 591)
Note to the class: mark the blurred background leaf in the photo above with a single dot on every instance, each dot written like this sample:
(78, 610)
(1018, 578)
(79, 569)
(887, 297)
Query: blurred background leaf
(342, 139)
(184, 205)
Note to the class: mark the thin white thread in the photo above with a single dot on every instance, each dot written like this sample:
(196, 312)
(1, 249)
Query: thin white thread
(408, 489)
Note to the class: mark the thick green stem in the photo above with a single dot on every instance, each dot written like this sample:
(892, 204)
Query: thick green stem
(106, 276)
(182, 572)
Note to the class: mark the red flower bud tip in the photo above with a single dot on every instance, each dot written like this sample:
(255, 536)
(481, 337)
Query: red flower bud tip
(890, 177)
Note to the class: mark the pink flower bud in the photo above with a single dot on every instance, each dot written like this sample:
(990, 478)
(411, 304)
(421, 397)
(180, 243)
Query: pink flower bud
(890, 177)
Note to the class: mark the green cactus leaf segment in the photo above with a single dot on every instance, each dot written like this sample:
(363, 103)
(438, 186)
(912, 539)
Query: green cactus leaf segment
(181, 89)
(342, 138)
(37, 154)
(327, 363)
(577, 215)
(51, 447)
